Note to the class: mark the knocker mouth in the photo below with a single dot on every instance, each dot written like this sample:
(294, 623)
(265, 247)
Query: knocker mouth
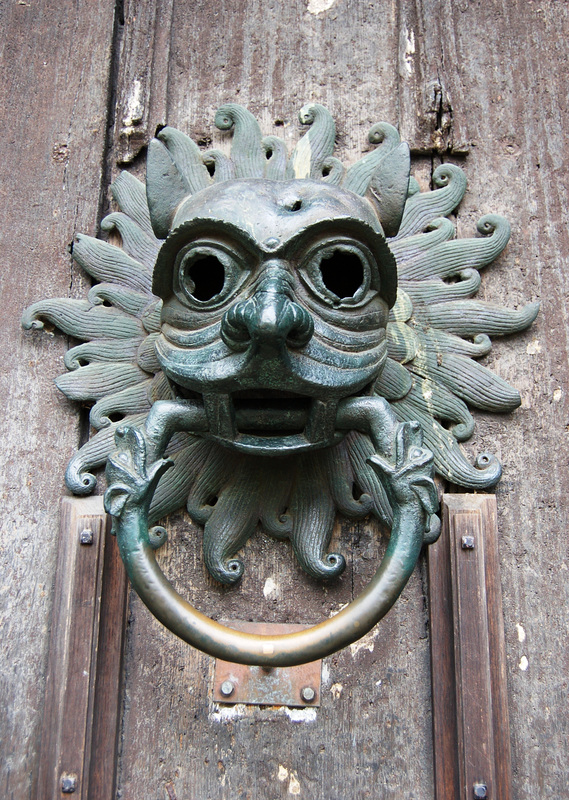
(269, 421)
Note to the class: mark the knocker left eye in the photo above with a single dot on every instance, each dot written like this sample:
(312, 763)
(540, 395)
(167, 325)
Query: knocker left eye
(340, 273)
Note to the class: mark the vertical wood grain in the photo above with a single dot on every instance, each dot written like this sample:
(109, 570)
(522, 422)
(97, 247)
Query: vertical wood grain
(54, 87)
(142, 79)
(514, 96)
(432, 116)
(476, 758)
(107, 687)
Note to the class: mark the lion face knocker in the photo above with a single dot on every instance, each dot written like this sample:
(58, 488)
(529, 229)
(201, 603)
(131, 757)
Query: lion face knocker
(275, 304)
(280, 339)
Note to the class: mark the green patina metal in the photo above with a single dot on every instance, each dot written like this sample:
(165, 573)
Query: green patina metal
(279, 339)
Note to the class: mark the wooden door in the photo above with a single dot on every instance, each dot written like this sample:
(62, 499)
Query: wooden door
(84, 86)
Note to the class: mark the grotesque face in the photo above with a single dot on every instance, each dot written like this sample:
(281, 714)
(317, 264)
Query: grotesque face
(275, 303)
(274, 283)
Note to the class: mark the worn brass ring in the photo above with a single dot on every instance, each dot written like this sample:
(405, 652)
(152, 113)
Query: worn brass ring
(287, 650)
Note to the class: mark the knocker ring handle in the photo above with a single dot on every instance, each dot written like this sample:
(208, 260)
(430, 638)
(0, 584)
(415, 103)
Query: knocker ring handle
(410, 528)
(287, 650)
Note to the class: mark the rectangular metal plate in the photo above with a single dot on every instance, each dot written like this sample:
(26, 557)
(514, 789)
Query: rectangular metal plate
(280, 686)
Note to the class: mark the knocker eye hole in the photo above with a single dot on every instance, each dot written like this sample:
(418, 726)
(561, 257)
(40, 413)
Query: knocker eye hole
(342, 273)
(208, 273)
(204, 277)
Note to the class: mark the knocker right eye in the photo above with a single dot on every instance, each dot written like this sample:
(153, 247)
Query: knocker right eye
(202, 277)
(340, 273)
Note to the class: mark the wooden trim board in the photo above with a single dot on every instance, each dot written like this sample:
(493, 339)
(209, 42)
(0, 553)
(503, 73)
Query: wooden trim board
(470, 710)
(82, 704)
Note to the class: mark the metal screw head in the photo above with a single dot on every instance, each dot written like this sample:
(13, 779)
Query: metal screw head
(308, 694)
(68, 783)
(467, 543)
(86, 536)
(480, 791)
(227, 688)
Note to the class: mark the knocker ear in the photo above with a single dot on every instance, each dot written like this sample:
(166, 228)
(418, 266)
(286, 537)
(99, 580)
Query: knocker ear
(115, 499)
(426, 491)
(388, 188)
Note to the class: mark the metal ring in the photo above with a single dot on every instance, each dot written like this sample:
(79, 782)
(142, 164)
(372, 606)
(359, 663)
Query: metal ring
(287, 650)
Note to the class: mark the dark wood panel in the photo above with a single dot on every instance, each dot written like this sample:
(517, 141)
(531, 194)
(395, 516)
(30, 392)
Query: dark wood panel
(68, 714)
(472, 652)
(54, 83)
(107, 682)
(445, 715)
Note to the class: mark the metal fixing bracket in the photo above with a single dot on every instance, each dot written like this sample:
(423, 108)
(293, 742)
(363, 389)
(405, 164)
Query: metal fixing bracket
(261, 686)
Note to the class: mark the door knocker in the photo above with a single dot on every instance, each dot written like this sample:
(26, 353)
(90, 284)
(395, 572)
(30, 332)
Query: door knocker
(279, 339)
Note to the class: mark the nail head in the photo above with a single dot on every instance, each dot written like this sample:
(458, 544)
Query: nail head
(308, 694)
(86, 536)
(68, 784)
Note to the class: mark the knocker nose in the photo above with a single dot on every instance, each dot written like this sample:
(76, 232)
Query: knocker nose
(271, 318)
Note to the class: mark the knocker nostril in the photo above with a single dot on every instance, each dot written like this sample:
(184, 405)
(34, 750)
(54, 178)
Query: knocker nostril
(281, 321)
(235, 331)
(301, 329)
(269, 318)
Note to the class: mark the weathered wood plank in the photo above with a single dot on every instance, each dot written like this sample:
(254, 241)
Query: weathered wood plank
(513, 66)
(54, 83)
(142, 80)
(371, 735)
(275, 57)
(431, 109)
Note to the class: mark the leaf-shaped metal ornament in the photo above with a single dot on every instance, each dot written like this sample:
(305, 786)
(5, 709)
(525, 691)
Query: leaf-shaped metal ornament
(280, 339)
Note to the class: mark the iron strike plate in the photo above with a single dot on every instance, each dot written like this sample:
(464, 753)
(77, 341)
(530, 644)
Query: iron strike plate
(280, 686)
